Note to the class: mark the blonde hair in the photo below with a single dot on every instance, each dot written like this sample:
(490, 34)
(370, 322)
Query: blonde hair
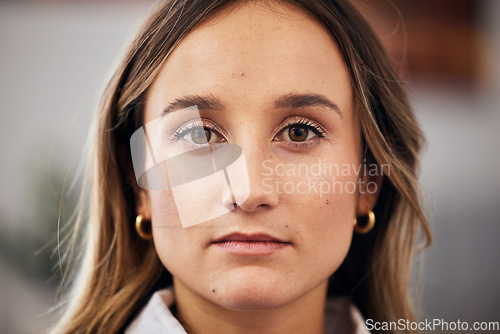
(120, 271)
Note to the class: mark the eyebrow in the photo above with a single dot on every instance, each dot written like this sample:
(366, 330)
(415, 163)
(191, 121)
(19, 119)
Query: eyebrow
(295, 101)
(205, 102)
(292, 100)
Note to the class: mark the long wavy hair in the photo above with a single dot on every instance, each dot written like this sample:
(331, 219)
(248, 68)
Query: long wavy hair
(118, 271)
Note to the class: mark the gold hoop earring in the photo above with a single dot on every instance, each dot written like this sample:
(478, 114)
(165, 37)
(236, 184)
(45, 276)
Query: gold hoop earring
(369, 225)
(145, 233)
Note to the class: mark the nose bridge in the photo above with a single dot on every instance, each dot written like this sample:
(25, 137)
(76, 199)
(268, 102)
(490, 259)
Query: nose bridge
(257, 149)
(255, 155)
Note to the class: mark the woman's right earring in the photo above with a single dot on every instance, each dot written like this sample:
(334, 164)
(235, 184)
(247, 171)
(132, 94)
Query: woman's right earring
(369, 225)
(145, 233)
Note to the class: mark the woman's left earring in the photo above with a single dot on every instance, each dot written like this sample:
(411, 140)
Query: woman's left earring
(145, 232)
(369, 225)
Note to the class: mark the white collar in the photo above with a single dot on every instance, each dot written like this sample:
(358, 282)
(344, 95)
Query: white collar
(341, 316)
(155, 317)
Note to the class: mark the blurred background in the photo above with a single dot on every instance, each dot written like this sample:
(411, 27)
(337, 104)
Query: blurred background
(56, 55)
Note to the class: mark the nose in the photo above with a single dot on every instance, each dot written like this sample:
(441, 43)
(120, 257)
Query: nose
(259, 191)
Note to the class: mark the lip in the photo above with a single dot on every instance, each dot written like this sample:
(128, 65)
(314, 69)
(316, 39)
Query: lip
(250, 244)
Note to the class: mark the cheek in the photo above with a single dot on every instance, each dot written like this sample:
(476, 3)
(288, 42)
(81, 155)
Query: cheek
(322, 213)
(168, 234)
(164, 212)
(334, 226)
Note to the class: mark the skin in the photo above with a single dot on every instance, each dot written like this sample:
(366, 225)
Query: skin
(248, 56)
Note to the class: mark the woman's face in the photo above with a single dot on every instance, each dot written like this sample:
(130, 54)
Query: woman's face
(284, 96)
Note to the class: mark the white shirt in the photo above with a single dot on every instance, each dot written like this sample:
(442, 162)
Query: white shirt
(341, 316)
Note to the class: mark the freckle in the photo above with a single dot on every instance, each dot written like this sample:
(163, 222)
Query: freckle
(327, 202)
(286, 226)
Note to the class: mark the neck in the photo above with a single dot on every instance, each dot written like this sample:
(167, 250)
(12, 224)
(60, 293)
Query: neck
(302, 315)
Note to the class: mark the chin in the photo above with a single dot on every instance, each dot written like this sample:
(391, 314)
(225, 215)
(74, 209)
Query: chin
(254, 291)
(244, 300)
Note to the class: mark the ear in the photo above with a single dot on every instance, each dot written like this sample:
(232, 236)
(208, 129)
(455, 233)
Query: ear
(142, 202)
(369, 189)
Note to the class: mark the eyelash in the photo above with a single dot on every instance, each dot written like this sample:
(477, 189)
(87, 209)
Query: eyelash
(285, 125)
(311, 125)
(187, 127)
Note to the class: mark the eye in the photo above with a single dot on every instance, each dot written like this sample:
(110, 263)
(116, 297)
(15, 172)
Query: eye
(298, 130)
(201, 135)
(198, 133)
(298, 133)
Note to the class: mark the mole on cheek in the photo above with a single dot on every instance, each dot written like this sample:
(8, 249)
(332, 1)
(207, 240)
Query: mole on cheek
(238, 74)
(327, 202)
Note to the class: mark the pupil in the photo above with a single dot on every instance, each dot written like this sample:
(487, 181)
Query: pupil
(298, 133)
(201, 136)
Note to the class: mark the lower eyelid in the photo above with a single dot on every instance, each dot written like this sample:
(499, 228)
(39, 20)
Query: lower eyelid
(301, 145)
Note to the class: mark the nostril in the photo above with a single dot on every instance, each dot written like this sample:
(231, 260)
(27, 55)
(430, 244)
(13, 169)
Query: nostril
(231, 206)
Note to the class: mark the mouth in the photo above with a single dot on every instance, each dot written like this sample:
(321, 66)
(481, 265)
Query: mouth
(250, 244)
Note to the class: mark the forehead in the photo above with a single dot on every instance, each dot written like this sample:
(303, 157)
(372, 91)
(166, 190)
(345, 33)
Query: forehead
(250, 50)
